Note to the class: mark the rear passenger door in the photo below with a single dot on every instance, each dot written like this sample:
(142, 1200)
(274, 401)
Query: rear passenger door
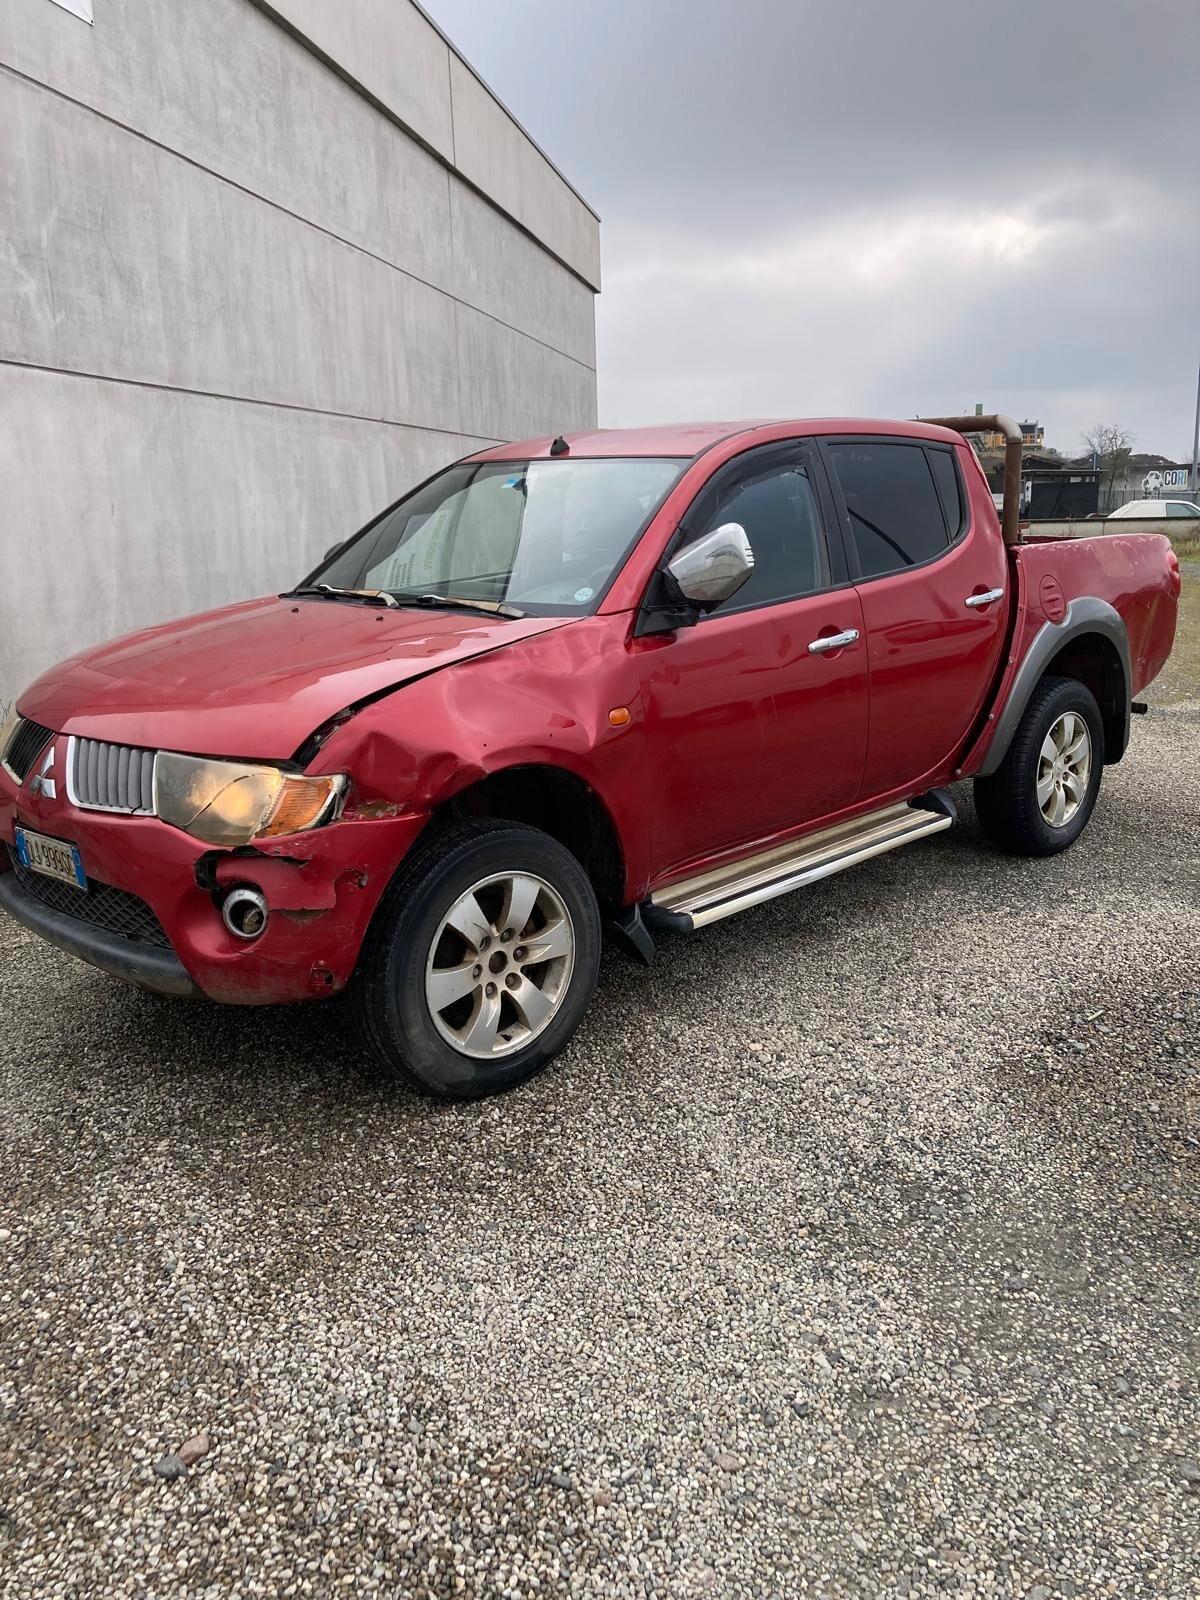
(925, 564)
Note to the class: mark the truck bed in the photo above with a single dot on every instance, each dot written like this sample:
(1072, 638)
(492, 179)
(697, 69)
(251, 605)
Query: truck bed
(1138, 574)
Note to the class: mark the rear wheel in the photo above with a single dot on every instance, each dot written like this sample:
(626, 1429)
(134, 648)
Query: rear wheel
(481, 960)
(1040, 798)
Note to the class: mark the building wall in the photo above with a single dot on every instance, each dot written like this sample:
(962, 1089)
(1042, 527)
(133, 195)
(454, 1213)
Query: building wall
(261, 268)
(1150, 478)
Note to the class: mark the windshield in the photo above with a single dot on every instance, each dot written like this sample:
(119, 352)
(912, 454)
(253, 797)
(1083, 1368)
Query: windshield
(547, 537)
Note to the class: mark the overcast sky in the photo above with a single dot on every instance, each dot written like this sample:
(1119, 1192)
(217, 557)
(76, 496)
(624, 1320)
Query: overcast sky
(876, 207)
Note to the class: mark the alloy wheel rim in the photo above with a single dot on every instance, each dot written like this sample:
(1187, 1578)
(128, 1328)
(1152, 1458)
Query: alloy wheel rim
(500, 965)
(1064, 767)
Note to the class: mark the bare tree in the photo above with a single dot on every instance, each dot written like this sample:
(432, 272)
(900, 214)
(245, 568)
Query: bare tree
(1109, 444)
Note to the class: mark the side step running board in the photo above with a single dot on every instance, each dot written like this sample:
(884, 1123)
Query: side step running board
(738, 885)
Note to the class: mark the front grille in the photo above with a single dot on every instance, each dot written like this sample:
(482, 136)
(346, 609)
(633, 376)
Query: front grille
(110, 777)
(25, 746)
(105, 907)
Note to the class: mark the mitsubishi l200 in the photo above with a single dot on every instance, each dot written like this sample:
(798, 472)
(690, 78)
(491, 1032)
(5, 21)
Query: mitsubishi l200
(638, 680)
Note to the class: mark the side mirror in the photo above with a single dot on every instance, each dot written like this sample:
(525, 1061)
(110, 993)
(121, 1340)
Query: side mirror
(333, 550)
(715, 567)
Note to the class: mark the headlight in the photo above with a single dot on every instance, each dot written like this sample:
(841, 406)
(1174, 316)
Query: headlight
(226, 803)
(7, 728)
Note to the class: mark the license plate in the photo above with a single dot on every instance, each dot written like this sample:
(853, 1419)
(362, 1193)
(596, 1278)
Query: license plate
(51, 857)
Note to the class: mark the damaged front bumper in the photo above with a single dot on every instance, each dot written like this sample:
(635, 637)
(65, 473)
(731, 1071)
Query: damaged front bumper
(321, 888)
(135, 962)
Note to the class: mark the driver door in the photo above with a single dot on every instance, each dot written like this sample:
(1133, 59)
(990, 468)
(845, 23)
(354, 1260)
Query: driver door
(750, 731)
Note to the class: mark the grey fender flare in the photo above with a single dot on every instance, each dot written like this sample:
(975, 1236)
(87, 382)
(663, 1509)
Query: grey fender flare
(1084, 615)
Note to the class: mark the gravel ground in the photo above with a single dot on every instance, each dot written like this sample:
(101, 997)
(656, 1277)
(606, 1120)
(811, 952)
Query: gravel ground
(851, 1251)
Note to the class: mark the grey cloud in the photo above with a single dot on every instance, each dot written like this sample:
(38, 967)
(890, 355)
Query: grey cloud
(876, 206)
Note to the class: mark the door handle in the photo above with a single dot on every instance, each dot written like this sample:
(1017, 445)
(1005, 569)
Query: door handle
(984, 599)
(835, 641)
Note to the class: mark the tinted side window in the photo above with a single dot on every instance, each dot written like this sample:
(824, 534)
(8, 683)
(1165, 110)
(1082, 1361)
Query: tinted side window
(945, 476)
(895, 514)
(778, 507)
(1176, 509)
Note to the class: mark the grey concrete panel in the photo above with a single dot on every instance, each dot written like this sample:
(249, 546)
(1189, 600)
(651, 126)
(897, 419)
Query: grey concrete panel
(225, 86)
(502, 271)
(487, 142)
(192, 202)
(493, 152)
(133, 264)
(392, 50)
(126, 506)
(513, 388)
(551, 212)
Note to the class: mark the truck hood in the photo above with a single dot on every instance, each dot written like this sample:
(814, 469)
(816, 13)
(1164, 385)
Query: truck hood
(254, 680)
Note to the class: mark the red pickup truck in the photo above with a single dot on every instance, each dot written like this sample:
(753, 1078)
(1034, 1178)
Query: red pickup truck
(638, 679)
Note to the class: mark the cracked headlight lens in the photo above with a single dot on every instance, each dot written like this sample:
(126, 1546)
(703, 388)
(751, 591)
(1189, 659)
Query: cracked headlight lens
(7, 728)
(229, 803)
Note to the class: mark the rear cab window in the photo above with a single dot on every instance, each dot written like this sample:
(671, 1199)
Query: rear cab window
(904, 501)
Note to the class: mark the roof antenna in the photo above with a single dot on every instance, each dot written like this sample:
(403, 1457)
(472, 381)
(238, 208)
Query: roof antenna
(560, 447)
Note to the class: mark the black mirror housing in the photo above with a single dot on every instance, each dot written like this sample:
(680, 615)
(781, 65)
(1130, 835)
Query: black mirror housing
(665, 609)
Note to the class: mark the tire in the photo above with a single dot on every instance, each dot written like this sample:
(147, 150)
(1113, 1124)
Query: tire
(1011, 812)
(495, 1031)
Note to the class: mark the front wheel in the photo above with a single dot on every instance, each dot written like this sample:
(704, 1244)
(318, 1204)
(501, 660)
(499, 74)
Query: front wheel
(481, 960)
(1039, 799)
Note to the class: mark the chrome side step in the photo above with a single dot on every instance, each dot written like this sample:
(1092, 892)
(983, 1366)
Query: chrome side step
(738, 885)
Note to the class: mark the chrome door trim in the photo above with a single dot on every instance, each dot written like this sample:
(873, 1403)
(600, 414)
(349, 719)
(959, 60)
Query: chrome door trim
(835, 641)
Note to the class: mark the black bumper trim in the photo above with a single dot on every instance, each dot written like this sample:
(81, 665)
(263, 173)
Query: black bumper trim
(144, 964)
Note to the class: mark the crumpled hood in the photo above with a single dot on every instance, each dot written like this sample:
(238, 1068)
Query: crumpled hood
(255, 679)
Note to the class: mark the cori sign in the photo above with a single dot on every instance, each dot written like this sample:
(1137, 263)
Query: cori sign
(1166, 481)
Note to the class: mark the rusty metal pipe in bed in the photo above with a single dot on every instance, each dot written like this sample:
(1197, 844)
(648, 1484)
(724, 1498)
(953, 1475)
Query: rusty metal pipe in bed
(1010, 517)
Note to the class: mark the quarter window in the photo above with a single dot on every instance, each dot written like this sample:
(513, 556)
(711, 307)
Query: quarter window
(896, 515)
(945, 476)
(776, 502)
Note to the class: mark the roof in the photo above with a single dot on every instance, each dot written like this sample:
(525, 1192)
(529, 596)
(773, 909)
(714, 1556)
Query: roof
(692, 438)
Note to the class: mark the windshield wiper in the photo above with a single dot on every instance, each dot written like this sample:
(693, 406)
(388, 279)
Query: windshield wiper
(374, 597)
(454, 602)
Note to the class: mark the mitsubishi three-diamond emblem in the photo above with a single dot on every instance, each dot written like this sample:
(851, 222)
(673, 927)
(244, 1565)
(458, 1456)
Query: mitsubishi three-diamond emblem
(42, 781)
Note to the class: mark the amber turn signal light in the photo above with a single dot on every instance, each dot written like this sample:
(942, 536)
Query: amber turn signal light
(619, 716)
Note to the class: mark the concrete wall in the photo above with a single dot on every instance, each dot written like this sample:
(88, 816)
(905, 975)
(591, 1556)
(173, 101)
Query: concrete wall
(1092, 528)
(260, 269)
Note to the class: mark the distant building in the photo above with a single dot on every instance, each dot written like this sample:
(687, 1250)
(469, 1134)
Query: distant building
(1055, 487)
(1050, 487)
(1145, 477)
(1033, 436)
